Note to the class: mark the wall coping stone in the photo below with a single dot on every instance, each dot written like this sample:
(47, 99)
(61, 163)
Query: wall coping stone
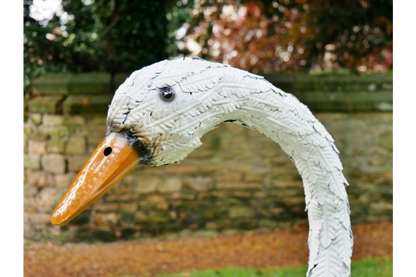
(77, 83)
(45, 104)
(78, 93)
(86, 104)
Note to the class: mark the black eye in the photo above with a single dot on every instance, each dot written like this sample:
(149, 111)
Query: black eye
(167, 94)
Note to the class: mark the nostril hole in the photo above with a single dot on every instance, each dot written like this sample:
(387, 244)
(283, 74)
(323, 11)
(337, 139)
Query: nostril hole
(107, 151)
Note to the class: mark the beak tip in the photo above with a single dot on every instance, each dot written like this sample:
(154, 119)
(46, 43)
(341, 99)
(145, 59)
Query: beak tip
(56, 221)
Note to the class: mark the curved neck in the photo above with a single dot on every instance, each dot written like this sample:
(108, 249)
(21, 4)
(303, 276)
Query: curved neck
(282, 118)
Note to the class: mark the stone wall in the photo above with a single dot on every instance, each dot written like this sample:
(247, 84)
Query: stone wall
(238, 179)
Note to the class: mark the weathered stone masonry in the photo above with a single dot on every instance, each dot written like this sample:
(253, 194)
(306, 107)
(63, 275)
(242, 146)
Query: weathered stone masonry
(238, 179)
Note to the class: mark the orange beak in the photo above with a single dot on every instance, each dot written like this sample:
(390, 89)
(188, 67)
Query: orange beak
(113, 159)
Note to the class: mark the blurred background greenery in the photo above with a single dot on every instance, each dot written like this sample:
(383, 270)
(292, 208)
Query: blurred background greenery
(318, 36)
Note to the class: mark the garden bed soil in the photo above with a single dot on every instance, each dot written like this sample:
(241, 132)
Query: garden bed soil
(149, 257)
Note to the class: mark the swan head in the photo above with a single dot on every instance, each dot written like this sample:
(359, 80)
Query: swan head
(157, 117)
(164, 108)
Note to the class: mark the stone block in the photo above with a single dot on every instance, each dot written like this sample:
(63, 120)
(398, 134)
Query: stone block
(181, 196)
(286, 184)
(253, 177)
(131, 208)
(49, 197)
(39, 218)
(67, 83)
(228, 177)
(30, 190)
(147, 184)
(106, 207)
(74, 120)
(52, 120)
(276, 211)
(57, 131)
(29, 205)
(266, 223)
(45, 104)
(86, 104)
(199, 183)
(98, 119)
(158, 217)
(35, 118)
(212, 194)
(240, 194)
(352, 101)
(96, 131)
(64, 180)
(140, 216)
(169, 185)
(76, 145)
(214, 167)
(211, 225)
(56, 145)
(31, 161)
(52, 83)
(241, 212)
(260, 194)
(155, 199)
(90, 83)
(106, 219)
(29, 130)
(181, 169)
(36, 147)
(233, 186)
(122, 198)
(54, 163)
(40, 179)
(162, 206)
(77, 162)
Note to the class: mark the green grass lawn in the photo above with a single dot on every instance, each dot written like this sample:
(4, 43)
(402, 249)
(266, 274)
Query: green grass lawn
(378, 267)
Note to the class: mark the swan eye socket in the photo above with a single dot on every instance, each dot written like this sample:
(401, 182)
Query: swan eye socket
(167, 94)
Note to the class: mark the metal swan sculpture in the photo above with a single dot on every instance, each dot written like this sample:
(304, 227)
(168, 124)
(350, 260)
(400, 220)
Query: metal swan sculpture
(159, 114)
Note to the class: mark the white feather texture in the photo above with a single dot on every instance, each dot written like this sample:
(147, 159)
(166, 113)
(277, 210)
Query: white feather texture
(207, 94)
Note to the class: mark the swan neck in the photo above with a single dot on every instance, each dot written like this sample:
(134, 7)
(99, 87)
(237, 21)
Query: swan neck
(282, 118)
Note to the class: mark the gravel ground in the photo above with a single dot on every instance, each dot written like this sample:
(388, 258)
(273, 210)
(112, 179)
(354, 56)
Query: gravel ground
(150, 257)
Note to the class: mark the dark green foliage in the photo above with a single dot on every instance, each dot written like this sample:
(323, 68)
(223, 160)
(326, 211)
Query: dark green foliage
(122, 36)
(133, 33)
(112, 36)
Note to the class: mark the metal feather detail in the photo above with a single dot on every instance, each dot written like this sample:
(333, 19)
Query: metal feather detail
(207, 94)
